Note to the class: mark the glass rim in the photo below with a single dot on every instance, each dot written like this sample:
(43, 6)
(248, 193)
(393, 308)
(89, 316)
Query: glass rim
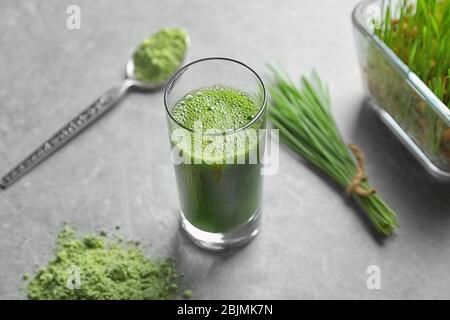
(179, 72)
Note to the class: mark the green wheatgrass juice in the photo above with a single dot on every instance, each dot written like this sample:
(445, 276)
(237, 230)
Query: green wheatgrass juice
(218, 193)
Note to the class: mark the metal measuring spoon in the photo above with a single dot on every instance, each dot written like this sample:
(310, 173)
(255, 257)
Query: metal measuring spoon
(98, 108)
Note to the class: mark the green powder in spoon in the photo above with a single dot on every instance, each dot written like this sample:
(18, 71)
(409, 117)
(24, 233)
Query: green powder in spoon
(160, 55)
(96, 267)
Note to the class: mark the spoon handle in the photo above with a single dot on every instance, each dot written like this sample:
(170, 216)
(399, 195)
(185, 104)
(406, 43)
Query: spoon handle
(99, 107)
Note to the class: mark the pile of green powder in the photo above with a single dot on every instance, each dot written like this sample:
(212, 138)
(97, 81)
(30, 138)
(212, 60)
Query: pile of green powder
(96, 267)
(160, 55)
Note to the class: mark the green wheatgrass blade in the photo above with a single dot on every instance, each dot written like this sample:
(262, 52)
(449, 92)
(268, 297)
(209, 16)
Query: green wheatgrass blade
(302, 113)
(420, 35)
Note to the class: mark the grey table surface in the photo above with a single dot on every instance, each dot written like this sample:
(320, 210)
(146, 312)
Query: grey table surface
(313, 243)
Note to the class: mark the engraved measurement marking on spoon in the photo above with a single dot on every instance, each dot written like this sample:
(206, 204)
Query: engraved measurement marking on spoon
(59, 138)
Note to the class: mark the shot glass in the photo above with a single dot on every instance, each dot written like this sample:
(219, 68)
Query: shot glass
(220, 191)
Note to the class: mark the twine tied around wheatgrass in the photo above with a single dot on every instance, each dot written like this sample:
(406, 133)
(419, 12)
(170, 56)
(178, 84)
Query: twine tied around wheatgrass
(360, 176)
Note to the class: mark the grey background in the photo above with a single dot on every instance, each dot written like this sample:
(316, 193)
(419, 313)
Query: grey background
(313, 244)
